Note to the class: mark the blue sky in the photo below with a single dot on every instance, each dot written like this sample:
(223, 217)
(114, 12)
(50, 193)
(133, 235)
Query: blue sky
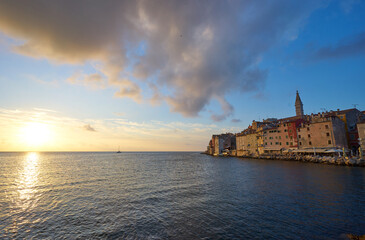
(209, 67)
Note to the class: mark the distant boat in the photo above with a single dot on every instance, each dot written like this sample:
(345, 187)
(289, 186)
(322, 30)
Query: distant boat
(119, 150)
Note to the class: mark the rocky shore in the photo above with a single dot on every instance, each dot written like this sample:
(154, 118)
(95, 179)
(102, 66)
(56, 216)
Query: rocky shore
(340, 161)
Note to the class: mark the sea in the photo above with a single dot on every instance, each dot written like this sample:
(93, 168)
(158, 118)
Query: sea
(176, 195)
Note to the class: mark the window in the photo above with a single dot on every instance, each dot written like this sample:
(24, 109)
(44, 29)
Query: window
(290, 131)
(291, 144)
(248, 145)
(271, 143)
(291, 137)
(276, 137)
(329, 141)
(309, 135)
(287, 143)
(280, 143)
(266, 143)
(285, 130)
(298, 129)
(307, 128)
(352, 137)
(287, 136)
(328, 134)
(300, 143)
(276, 143)
(279, 137)
(289, 124)
(310, 143)
(326, 126)
(299, 136)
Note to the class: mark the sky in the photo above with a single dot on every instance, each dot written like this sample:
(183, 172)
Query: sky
(146, 75)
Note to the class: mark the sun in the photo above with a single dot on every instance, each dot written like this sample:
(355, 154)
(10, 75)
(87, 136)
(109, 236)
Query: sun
(35, 134)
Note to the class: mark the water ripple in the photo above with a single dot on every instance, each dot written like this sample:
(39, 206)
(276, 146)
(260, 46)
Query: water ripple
(175, 196)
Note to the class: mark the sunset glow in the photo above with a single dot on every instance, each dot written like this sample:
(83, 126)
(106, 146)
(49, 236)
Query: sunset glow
(148, 78)
(35, 134)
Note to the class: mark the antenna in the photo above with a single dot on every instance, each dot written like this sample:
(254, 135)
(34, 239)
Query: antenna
(323, 109)
(355, 105)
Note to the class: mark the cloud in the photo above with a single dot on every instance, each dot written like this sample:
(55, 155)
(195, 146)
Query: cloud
(95, 80)
(186, 52)
(88, 127)
(227, 111)
(52, 83)
(236, 120)
(348, 47)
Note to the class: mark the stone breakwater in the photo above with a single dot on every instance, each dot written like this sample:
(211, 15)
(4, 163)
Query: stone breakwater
(340, 161)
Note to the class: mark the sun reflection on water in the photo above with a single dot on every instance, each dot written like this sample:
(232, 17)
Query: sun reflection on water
(28, 179)
(25, 201)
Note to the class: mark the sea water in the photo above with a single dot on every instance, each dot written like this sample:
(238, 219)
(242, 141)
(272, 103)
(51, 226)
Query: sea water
(176, 196)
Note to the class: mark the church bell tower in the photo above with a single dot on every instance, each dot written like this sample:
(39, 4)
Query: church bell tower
(299, 106)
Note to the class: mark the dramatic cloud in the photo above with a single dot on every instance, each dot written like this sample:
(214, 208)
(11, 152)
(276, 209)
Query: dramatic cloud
(89, 128)
(236, 120)
(183, 52)
(227, 111)
(345, 48)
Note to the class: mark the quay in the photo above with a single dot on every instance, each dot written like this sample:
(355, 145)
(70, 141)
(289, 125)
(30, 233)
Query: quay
(331, 160)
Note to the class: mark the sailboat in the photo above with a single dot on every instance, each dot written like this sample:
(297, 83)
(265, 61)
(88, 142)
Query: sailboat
(119, 150)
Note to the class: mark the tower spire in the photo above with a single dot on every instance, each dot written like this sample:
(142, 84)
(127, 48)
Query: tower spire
(299, 106)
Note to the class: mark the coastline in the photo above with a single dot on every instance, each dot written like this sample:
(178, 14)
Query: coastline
(338, 161)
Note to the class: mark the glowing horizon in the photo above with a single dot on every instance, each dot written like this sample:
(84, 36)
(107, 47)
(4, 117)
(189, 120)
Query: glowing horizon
(147, 78)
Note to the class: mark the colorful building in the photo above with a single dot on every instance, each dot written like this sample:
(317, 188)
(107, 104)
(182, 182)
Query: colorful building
(322, 132)
(326, 130)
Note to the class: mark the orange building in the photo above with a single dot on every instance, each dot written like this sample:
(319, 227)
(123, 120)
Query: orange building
(322, 132)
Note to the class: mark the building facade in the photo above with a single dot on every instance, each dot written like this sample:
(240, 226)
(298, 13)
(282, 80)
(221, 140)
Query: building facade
(361, 139)
(322, 132)
(297, 134)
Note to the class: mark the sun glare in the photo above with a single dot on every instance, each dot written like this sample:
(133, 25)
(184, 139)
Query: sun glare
(35, 134)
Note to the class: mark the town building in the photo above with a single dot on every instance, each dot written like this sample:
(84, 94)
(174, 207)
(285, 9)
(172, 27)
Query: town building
(304, 134)
(322, 132)
(269, 139)
(223, 142)
(350, 117)
(361, 139)
(246, 142)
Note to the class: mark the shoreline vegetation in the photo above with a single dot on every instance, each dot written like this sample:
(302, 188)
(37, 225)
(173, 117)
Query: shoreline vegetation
(339, 161)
